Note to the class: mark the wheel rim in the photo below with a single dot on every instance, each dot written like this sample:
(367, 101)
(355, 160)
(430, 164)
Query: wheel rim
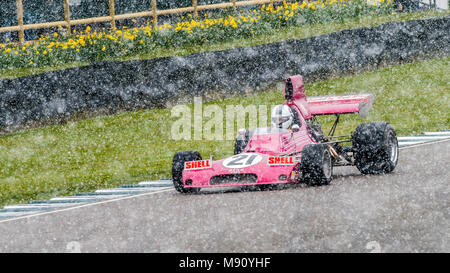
(392, 147)
(327, 164)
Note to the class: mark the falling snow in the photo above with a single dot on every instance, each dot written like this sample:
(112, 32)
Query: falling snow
(88, 162)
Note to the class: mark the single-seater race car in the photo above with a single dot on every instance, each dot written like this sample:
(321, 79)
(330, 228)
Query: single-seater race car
(294, 149)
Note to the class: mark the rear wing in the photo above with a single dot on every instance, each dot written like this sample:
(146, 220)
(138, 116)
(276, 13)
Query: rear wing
(294, 93)
(346, 104)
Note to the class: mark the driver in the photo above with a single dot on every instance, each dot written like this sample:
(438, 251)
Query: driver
(282, 117)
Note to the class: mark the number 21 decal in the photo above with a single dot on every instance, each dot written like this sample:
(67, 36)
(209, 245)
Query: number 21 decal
(242, 161)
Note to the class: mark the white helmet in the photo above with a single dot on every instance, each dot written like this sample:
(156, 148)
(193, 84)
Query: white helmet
(282, 117)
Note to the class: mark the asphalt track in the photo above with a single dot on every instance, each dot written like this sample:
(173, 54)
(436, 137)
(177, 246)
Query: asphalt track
(406, 211)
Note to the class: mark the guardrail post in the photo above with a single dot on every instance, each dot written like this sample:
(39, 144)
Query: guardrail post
(155, 15)
(234, 4)
(112, 13)
(19, 5)
(67, 16)
(194, 5)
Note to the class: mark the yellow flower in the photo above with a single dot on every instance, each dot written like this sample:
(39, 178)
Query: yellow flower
(103, 48)
(31, 62)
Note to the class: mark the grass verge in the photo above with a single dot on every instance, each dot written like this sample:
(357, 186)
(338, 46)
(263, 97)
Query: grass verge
(112, 150)
(276, 35)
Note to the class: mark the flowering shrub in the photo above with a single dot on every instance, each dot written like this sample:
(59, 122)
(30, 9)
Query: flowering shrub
(89, 45)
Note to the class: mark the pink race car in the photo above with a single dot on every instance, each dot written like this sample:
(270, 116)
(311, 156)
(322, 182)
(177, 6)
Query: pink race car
(294, 149)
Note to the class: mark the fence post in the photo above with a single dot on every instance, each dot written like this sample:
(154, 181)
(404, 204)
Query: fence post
(155, 16)
(234, 4)
(19, 6)
(194, 5)
(67, 16)
(112, 13)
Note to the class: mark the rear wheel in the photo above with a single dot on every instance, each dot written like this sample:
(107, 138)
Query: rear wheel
(177, 169)
(375, 148)
(240, 143)
(316, 165)
(239, 146)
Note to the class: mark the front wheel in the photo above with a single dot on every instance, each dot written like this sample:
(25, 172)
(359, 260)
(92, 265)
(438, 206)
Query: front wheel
(177, 169)
(316, 165)
(375, 148)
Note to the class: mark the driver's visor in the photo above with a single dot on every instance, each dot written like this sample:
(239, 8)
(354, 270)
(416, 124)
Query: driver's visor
(279, 120)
